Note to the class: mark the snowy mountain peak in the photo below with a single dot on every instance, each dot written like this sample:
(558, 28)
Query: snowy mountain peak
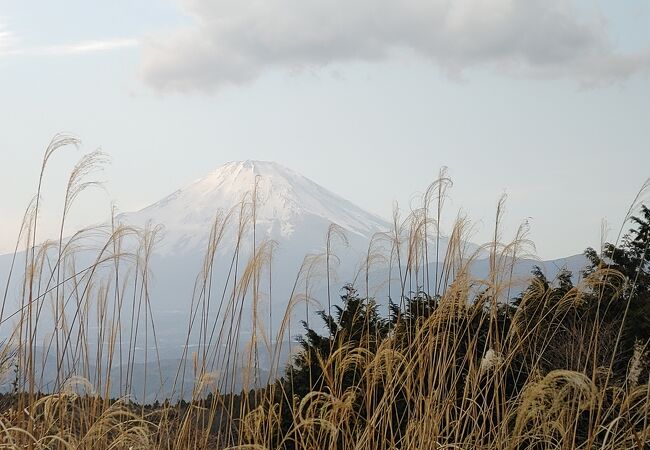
(240, 176)
(286, 201)
(249, 166)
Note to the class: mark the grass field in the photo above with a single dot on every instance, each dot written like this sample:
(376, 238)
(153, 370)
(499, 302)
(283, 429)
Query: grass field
(461, 363)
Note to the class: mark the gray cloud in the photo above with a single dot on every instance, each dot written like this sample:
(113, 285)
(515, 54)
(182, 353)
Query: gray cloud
(234, 41)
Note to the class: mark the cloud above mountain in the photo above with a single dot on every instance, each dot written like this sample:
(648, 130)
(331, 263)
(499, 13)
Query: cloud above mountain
(6, 36)
(235, 41)
(10, 44)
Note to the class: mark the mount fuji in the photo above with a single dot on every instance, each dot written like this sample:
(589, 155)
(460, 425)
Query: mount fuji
(289, 208)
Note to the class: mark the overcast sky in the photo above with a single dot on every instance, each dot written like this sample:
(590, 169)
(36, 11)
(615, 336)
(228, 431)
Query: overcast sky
(545, 100)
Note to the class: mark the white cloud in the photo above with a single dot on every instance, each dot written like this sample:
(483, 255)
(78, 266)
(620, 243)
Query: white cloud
(88, 47)
(234, 41)
(77, 48)
(6, 36)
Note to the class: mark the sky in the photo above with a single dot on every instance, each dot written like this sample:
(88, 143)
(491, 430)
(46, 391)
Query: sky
(546, 101)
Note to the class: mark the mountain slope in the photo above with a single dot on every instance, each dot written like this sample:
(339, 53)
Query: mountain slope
(290, 210)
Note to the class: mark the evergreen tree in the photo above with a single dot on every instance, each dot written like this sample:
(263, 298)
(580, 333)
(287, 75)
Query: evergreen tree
(632, 260)
(354, 324)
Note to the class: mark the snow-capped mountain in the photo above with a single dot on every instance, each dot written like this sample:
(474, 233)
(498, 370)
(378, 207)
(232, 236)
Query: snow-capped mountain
(290, 210)
(286, 203)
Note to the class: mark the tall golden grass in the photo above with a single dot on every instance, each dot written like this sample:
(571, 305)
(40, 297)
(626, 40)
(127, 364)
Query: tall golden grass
(100, 312)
